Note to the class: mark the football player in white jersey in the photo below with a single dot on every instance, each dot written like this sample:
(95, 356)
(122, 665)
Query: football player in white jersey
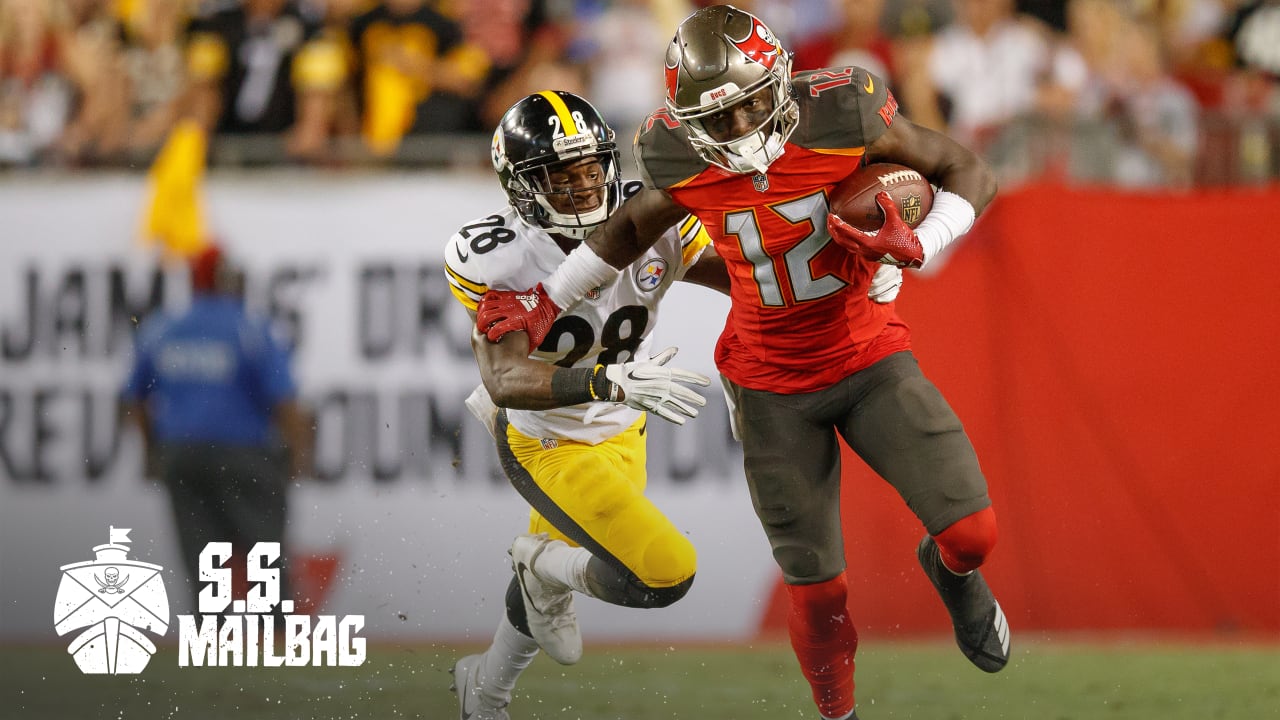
(569, 416)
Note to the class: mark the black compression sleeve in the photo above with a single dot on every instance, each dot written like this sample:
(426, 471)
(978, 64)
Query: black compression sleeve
(573, 386)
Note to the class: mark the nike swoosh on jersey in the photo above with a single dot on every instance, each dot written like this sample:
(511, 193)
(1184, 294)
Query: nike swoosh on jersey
(463, 256)
(870, 87)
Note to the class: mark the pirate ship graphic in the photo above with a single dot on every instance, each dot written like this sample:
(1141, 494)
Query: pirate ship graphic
(112, 598)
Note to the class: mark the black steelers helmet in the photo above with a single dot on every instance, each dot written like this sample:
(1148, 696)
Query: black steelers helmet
(544, 131)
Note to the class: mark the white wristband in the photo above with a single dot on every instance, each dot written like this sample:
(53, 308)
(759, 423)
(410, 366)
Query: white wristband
(950, 217)
(580, 273)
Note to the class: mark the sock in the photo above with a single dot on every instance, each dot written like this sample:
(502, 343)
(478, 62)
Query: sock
(824, 640)
(842, 717)
(508, 656)
(566, 565)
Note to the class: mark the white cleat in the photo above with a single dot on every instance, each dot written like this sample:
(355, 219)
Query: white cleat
(548, 604)
(472, 705)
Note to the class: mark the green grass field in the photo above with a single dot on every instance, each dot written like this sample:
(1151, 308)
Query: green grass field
(1046, 681)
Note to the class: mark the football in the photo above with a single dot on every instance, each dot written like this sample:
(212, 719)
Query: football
(854, 198)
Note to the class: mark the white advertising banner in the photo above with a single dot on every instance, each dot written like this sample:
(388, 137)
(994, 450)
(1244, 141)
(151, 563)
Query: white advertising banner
(408, 518)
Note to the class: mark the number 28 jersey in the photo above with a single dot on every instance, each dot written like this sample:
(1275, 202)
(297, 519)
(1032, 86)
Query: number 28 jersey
(800, 319)
(610, 325)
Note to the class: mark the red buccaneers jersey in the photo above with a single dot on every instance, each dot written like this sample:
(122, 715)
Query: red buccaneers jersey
(800, 319)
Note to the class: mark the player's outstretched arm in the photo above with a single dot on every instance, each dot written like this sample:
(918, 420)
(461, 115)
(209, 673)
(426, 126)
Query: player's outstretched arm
(513, 380)
(634, 227)
(630, 230)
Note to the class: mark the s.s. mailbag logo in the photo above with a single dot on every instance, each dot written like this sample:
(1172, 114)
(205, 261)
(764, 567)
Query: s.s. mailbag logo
(112, 598)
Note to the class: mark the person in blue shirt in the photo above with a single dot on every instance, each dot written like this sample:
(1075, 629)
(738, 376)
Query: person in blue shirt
(212, 392)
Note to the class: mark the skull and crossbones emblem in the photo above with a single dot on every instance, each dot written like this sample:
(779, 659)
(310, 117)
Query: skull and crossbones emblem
(114, 584)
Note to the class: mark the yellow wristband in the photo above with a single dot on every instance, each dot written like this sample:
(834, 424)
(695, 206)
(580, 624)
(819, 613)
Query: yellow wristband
(591, 386)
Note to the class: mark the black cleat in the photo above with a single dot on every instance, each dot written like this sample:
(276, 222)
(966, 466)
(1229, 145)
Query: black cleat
(981, 629)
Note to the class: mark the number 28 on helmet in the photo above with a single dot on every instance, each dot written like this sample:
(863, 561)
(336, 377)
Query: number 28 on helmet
(558, 163)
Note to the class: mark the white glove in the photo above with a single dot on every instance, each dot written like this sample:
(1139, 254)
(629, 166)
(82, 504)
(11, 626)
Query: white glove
(649, 386)
(885, 284)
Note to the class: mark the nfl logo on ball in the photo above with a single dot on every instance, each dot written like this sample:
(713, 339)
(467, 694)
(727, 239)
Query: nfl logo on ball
(911, 207)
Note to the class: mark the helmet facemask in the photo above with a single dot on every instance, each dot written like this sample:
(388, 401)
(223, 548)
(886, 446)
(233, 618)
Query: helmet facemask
(558, 196)
(754, 151)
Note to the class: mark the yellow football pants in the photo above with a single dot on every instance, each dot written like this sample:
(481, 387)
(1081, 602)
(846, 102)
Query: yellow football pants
(593, 496)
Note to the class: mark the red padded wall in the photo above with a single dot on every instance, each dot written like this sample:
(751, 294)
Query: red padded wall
(1114, 358)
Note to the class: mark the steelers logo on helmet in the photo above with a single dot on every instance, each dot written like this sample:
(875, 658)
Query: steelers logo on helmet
(498, 151)
(559, 163)
(721, 57)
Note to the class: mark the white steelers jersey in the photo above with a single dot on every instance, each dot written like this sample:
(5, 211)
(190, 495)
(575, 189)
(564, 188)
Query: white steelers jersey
(610, 325)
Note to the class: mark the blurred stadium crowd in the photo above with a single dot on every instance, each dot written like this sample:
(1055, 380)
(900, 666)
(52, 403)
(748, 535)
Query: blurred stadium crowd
(1136, 93)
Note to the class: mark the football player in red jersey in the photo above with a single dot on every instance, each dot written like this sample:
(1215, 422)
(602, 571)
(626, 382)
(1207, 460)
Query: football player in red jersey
(753, 152)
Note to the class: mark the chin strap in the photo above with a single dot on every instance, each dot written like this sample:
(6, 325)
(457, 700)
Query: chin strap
(759, 160)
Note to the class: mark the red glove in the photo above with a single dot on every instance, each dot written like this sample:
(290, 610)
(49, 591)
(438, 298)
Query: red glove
(894, 244)
(506, 311)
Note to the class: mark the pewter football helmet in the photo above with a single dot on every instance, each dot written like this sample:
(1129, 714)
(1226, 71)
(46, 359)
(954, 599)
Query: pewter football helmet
(719, 57)
(541, 132)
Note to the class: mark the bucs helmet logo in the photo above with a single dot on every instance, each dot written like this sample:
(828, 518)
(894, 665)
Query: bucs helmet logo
(760, 45)
(673, 77)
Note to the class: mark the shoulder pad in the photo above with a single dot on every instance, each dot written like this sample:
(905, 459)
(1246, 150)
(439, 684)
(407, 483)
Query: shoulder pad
(484, 238)
(842, 108)
(663, 151)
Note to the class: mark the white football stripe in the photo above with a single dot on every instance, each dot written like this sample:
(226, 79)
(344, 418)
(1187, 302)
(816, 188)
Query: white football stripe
(898, 176)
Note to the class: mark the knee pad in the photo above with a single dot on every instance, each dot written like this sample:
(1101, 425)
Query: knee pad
(967, 542)
(668, 560)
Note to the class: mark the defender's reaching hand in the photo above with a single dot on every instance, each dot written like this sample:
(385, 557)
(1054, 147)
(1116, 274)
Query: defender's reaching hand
(885, 284)
(649, 385)
(505, 311)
